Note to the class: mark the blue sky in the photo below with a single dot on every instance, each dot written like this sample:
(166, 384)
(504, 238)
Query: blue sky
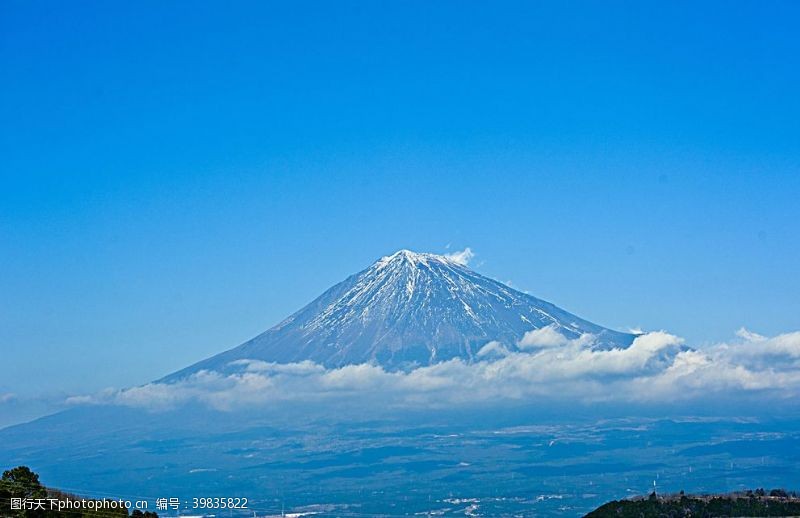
(177, 178)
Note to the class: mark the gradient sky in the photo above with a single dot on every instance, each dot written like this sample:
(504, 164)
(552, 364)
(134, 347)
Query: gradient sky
(177, 177)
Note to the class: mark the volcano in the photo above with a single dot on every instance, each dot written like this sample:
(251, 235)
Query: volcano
(408, 310)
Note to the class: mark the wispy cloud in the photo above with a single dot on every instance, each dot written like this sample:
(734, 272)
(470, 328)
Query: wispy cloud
(462, 257)
(657, 367)
(493, 348)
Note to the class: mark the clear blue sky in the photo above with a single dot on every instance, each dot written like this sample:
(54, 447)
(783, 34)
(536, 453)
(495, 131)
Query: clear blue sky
(177, 177)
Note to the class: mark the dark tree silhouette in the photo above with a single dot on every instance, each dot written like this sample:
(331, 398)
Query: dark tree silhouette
(22, 483)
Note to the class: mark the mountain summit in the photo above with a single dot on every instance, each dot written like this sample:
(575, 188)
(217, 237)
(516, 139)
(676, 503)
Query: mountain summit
(408, 309)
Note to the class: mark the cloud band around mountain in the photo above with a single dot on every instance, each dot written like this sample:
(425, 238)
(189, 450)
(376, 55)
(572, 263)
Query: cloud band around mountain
(656, 368)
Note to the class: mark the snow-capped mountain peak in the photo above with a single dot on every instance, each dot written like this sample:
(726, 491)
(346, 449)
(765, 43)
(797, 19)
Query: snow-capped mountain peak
(409, 309)
(413, 259)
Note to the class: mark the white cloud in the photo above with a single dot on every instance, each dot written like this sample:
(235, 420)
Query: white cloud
(787, 344)
(657, 367)
(492, 349)
(749, 335)
(762, 352)
(462, 257)
(83, 400)
(546, 336)
(7, 397)
(304, 367)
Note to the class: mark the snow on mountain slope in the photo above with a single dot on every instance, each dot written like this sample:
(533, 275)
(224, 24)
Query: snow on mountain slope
(408, 309)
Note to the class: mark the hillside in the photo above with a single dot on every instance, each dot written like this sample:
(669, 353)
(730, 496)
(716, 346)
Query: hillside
(750, 503)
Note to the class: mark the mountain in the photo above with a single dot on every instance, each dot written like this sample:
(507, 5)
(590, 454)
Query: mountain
(408, 309)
